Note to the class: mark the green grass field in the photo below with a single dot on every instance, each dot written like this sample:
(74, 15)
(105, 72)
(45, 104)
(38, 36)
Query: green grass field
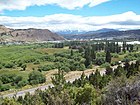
(17, 53)
(36, 55)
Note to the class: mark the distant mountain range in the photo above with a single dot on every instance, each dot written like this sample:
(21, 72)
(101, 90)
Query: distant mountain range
(77, 32)
(39, 35)
(105, 34)
(70, 32)
(27, 35)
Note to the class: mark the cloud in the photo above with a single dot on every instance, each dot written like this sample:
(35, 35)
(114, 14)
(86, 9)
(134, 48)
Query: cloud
(59, 22)
(69, 4)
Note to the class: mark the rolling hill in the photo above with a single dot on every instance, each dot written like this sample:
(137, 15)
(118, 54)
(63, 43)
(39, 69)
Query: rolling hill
(27, 35)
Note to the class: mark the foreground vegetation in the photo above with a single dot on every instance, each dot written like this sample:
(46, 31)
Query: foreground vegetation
(22, 65)
(121, 86)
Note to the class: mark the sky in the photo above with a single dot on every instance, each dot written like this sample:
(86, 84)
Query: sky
(62, 15)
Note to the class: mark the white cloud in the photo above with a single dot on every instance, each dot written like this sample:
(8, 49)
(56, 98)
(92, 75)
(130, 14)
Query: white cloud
(58, 22)
(69, 4)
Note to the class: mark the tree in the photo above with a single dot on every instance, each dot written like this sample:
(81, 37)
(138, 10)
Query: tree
(81, 49)
(119, 71)
(9, 65)
(93, 54)
(117, 48)
(82, 67)
(95, 79)
(17, 79)
(104, 81)
(1, 83)
(109, 71)
(71, 53)
(22, 83)
(5, 87)
(65, 68)
(59, 79)
(137, 65)
(86, 96)
(36, 77)
(7, 101)
(131, 48)
(108, 56)
(87, 56)
(124, 47)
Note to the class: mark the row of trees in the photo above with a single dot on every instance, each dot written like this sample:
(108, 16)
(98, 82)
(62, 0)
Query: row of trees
(90, 56)
(113, 46)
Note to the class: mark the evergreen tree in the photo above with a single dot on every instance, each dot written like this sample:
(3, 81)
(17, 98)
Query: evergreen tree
(124, 47)
(131, 48)
(71, 53)
(108, 56)
(59, 79)
(93, 54)
(87, 56)
(117, 48)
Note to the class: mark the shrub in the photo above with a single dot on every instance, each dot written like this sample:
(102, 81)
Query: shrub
(65, 68)
(99, 61)
(19, 63)
(105, 65)
(7, 78)
(9, 65)
(0, 66)
(114, 55)
(46, 67)
(4, 87)
(1, 83)
(82, 67)
(36, 77)
(17, 79)
(101, 54)
(37, 62)
(22, 83)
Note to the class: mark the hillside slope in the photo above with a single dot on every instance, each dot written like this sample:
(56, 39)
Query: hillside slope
(27, 35)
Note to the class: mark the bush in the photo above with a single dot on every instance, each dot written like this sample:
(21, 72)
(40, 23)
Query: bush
(37, 62)
(114, 55)
(7, 78)
(65, 68)
(0, 66)
(105, 65)
(4, 87)
(50, 58)
(17, 79)
(90, 66)
(100, 61)
(1, 83)
(46, 67)
(22, 83)
(36, 77)
(114, 63)
(82, 67)
(9, 65)
(100, 54)
(19, 63)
